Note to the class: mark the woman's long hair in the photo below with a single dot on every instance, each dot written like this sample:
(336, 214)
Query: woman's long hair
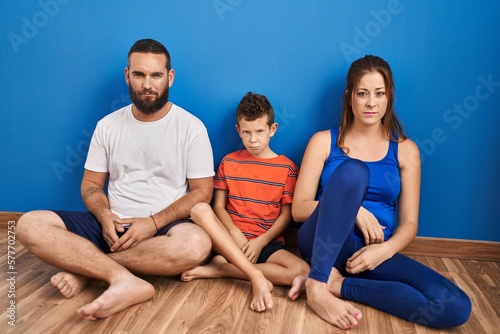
(390, 123)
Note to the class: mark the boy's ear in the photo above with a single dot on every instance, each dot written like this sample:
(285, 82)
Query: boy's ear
(237, 128)
(273, 128)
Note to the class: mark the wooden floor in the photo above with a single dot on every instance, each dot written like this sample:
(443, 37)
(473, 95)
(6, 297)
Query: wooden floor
(217, 305)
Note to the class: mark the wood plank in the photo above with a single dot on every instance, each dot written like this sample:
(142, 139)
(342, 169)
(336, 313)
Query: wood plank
(5, 217)
(455, 249)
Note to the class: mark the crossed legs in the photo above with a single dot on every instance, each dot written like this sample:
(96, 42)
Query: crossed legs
(44, 234)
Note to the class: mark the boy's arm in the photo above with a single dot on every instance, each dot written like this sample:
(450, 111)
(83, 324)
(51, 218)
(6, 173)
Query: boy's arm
(219, 207)
(253, 248)
(279, 226)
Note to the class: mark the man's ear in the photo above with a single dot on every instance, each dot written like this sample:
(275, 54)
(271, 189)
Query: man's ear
(171, 77)
(126, 73)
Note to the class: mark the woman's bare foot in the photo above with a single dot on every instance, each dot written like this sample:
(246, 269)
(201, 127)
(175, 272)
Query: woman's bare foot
(334, 283)
(298, 286)
(69, 284)
(211, 270)
(330, 308)
(127, 291)
(261, 290)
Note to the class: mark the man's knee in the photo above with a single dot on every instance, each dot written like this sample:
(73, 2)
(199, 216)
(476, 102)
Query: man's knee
(201, 245)
(33, 223)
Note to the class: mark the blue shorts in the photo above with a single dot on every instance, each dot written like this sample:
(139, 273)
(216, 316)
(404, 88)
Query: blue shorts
(269, 250)
(86, 225)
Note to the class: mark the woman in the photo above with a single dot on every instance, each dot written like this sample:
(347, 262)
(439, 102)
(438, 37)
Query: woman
(358, 194)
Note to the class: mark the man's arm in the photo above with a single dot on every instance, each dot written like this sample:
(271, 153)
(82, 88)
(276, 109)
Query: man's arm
(200, 190)
(96, 201)
(93, 195)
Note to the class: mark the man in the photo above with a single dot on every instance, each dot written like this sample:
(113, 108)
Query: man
(158, 161)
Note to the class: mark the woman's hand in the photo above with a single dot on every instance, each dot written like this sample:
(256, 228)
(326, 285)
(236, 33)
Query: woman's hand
(373, 232)
(367, 258)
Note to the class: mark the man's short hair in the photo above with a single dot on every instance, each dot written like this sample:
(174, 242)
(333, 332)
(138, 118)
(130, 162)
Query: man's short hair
(150, 46)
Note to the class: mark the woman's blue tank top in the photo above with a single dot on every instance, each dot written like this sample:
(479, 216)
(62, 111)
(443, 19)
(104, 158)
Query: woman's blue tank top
(383, 189)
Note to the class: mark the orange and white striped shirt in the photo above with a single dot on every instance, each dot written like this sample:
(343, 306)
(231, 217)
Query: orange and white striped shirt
(257, 188)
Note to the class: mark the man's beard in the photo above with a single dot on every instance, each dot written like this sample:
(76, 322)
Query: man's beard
(148, 106)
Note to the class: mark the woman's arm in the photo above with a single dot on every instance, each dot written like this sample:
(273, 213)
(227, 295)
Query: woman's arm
(316, 153)
(409, 198)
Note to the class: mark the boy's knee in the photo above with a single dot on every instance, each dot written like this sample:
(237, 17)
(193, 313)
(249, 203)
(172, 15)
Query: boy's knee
(302, 269)
(200, 209)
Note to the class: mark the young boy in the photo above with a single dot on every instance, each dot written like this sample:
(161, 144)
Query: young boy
(253, 195)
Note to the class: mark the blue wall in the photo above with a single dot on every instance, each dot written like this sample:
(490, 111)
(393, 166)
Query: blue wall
(62, 67)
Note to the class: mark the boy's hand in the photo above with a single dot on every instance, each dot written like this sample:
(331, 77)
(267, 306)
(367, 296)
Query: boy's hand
(252, 249)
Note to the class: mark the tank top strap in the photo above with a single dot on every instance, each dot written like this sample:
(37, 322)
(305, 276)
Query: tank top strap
(334, 149)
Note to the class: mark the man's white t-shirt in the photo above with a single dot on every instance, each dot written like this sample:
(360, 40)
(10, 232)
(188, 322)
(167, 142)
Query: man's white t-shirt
(149, 162)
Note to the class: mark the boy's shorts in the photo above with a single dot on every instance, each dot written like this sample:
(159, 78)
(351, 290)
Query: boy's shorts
(269, 250)
(86, 225)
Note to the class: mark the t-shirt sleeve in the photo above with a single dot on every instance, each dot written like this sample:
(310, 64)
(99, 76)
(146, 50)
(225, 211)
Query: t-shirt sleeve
(97, 156)
(200, 160)
(290, 182)
(220, 178)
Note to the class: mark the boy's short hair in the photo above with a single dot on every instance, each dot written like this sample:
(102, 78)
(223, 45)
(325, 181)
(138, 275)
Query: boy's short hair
(253, 106)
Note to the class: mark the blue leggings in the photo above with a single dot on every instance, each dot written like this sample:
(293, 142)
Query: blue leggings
(400, 286)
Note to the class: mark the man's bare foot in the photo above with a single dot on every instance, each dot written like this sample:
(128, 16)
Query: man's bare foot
(126, 292)
(213, 269)
(330, 308)
(261, 290)
(298, 286)
(69, 284)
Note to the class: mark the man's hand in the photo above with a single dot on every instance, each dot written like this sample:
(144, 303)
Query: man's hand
(140, 229)
(367, 258)
(373, 232)
(252, 249)
(109, 228)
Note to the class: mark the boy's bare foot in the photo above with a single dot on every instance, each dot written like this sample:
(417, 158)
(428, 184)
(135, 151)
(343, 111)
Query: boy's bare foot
(298, 286)
(261, 290)
(69, 284)
(330, 308)
(126, 292)
(211, 270)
